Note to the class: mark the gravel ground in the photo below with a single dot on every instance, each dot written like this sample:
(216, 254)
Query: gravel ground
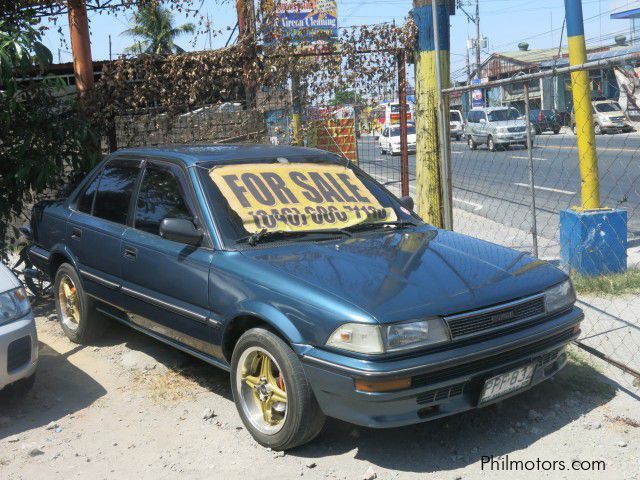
(129, 407)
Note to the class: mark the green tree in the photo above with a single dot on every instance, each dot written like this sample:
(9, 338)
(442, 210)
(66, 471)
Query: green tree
(155, 32)
(42, 138)
(344, 97)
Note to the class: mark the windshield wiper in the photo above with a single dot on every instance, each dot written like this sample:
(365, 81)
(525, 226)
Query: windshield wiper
(265, 234)
(371, 226)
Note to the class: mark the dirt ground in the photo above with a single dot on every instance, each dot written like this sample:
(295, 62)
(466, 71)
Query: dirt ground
(131, 408)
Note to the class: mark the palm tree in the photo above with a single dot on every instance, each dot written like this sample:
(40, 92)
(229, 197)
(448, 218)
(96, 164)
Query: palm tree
(154, 29)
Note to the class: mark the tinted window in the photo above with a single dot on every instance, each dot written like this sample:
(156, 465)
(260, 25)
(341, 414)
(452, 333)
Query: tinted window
(114, 193)
(160, 197)
(85, 200)
(454, 116)
(608, 107)
(503, 115)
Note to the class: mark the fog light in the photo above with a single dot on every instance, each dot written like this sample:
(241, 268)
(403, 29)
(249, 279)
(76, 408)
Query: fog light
(365, 385)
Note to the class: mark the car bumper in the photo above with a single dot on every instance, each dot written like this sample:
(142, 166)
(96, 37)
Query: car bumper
(511, 138)
(619, 127)
(411, 148)
(18, 350)
(442, 383)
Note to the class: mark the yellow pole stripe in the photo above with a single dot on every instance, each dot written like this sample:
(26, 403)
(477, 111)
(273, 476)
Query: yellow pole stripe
(587, 152)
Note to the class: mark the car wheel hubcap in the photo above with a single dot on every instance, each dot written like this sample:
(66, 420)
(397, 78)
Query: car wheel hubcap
(263, 393)
(69, 303)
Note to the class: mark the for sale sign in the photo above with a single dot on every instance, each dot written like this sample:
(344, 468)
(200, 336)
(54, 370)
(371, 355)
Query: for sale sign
(296, 197)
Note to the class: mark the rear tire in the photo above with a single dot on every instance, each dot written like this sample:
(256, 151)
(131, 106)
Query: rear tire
(78, 318)
(597, 129)
(302, 419)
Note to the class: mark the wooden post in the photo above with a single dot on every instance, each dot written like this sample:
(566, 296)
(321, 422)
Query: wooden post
(404, 148)
(80, 45)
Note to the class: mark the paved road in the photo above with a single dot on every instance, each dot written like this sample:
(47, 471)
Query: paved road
(496, 185)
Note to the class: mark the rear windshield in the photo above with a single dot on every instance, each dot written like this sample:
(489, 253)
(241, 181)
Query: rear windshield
(503, 115)
(608, 107)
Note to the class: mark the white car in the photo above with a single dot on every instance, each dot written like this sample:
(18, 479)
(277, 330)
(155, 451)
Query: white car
(456, 124)
(389, 141)
(18, 337)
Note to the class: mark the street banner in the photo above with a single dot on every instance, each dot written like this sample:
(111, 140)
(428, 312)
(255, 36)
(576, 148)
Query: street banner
(477, 95)
(297, 196)
(308, 20)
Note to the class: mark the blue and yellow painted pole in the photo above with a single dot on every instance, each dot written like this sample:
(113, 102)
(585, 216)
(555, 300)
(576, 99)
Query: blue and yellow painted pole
(593, 240)
(429, 192)
(581, 89)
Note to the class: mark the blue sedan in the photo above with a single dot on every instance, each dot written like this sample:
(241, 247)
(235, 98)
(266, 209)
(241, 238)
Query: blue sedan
(317, 289)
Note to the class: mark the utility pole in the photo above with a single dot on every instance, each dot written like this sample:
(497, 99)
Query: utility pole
(593, 240)
(110, 47)
(80, 45)
(430, 201)
(246, 37)
(477, 21)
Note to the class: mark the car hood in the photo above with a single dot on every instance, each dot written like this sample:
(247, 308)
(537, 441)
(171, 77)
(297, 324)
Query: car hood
(510, 123)
(402, 275)
(8, 280)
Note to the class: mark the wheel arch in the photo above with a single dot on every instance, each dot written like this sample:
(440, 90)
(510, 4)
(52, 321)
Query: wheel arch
(60, 254)
(258, 315)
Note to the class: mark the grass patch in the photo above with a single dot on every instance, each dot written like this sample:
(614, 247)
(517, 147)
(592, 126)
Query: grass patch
(613, 284)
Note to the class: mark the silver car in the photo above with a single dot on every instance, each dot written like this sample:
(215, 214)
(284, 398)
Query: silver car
(18, 338)
(496, 127)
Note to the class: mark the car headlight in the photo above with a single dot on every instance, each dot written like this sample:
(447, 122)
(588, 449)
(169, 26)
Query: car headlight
(14, 304)
(375, 339)
(560, 297)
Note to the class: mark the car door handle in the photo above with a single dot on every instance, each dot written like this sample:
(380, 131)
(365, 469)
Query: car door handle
(76, 233)
(130, 252)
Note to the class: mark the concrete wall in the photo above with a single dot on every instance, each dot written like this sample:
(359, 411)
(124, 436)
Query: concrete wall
(205, 125)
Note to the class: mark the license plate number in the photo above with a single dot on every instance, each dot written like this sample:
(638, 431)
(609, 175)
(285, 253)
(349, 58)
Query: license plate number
(506, 383)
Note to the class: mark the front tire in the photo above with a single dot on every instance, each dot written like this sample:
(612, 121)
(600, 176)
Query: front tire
(597, 129)
(491, 144)
(76, 311)
(272, 393)
(472, 143)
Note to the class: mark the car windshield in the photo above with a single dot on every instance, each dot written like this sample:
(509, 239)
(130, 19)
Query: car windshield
(608, 107)
(454, 116)
(296, 199)
(503, 115)
(411, 130)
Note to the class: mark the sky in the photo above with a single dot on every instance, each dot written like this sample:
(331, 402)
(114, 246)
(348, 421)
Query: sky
(505, 23)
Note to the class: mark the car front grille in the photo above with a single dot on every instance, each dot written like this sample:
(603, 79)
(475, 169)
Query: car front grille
(501, 315)
(523, 353)
(18, 354)
(617, 119)
(516, 129)
(440, 394)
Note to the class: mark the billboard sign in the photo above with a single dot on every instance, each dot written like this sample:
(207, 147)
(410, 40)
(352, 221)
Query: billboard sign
(308, 20)
(477, 95)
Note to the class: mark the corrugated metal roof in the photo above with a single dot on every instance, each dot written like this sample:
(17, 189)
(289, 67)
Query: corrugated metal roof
(601, 55)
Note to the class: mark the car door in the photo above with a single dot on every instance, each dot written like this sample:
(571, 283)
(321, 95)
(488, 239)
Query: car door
(165, 283)
(97, 223)
(483, 126)
(383, 139)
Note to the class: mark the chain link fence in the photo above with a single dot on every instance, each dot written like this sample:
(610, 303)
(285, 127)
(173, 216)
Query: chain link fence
(521, 195)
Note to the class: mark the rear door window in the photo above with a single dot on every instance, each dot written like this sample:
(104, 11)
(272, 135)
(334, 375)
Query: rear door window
(85, 200)
(114, 191)
(160, 197)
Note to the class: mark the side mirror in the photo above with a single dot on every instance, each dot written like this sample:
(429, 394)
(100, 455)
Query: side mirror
(407, 202)
(482, 120)
(180, 230)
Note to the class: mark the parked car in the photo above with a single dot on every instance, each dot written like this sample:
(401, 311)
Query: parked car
(18, 337)
(496, 127)
(389, 141)
(318, 289)
(545, 121)
(456, 124)
(608, 117)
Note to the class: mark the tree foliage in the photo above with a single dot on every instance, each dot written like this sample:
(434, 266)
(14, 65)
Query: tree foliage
(155, 32)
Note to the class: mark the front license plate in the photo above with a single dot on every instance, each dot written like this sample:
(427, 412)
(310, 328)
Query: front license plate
(505, 383)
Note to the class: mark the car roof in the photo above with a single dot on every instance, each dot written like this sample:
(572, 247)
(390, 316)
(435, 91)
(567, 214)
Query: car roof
(490, 109)
(197, 154)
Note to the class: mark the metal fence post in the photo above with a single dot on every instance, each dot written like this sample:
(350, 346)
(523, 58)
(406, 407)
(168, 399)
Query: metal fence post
(532, 185)
(404, 148)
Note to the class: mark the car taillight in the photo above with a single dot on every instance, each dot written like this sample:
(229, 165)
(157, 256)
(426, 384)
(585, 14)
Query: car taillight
(540, 116)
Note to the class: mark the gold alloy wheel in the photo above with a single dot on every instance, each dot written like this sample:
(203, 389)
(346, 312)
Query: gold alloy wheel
(69, 303)
(263, 393)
